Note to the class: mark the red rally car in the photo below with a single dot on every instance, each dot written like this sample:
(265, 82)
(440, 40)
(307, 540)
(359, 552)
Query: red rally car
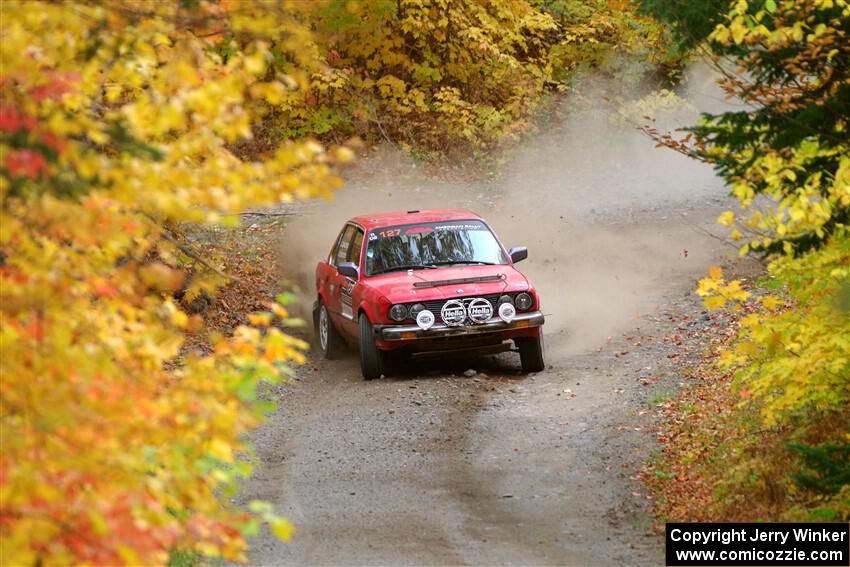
(425, 282)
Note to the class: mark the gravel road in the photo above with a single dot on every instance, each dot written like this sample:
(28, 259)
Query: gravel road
(469, 461)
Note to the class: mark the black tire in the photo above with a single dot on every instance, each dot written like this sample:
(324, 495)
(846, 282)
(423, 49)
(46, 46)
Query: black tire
(331, 344)
(371, 357)
(531, 353)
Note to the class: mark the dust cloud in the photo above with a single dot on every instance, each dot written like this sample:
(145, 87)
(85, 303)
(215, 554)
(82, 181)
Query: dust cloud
(611, 221)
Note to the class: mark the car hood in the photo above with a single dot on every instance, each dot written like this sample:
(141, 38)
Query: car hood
(448, 282)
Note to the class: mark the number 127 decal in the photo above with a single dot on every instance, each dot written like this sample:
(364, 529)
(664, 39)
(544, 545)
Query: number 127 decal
(389, 233)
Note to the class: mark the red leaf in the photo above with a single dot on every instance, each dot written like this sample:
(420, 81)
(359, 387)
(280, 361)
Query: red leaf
(26, 163)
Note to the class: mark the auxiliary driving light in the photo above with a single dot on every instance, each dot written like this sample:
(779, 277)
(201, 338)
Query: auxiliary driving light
(424, 319)
(507, 312)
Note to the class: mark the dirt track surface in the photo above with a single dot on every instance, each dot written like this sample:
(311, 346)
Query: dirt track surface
(435, 467)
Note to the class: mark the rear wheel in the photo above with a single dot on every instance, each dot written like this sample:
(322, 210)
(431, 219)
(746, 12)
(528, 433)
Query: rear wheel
(371, 357)
(330, 341)
(531, 353)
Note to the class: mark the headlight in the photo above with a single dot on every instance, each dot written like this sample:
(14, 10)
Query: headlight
(425, 319)
(415, 309)
(505, 299)
(524, 301)
(398, 312)
(507, 312)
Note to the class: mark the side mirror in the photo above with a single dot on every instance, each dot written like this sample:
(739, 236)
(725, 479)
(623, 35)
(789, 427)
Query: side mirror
(518, 254)
(348, 269)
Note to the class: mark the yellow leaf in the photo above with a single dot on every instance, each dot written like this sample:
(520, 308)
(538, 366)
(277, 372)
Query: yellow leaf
(161, 39)
(738, 29)
(281, 528)
(179, 319)
(101, 527)
(721, 34)
(260, 319)
(220, 449)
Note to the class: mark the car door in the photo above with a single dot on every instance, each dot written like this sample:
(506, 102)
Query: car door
(327, 268)
(348, 285)
(340, 313)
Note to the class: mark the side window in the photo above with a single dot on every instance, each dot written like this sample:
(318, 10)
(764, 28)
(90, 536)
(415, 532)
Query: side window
(332, 254)
(356, 247)
(342, 246)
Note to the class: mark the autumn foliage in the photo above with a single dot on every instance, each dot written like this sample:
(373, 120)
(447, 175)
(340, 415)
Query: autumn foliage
(117, 122)
(786, 158)
(439, 76)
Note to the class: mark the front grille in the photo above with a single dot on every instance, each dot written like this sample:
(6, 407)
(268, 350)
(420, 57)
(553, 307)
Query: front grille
(436, 305)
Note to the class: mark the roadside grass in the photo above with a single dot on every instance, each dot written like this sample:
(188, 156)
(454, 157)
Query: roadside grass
(662, 396)
(181, 558)
(193, 559)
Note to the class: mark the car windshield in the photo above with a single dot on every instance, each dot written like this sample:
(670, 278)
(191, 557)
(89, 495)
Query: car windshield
(431, 244)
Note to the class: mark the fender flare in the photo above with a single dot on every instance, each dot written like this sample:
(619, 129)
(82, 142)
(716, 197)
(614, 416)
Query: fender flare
(365, 308)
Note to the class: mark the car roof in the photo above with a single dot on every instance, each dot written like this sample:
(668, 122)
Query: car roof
(378, 220)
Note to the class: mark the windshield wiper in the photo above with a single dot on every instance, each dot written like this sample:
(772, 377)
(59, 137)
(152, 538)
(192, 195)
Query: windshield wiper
(452, 262)
(405, 267)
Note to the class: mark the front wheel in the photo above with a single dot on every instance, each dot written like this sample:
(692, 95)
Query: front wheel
(531, 353)
(371, 357)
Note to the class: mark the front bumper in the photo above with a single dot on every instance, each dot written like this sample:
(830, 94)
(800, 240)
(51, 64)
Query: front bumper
(440, 330)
